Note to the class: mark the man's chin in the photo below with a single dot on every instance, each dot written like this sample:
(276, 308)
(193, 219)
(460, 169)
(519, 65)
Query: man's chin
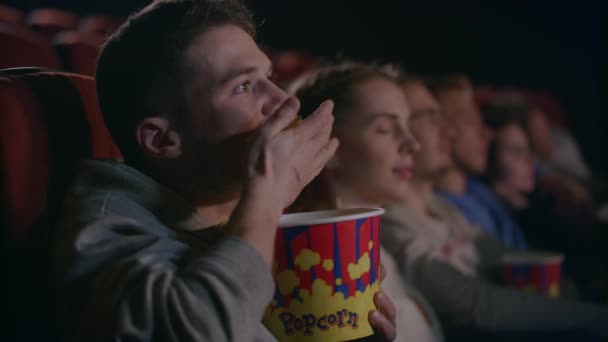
(475, 169)
(221, 190)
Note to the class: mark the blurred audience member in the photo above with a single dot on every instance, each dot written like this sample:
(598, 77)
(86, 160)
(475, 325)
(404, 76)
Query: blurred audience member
(559, 167)
(469, 149)
(542, 217)
(510, 171)
(569, 191)
(452, 261)
(565, 155)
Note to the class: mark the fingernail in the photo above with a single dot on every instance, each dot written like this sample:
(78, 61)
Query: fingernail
(336, 144)
(375, 315)
(327, 105)
(289, 106)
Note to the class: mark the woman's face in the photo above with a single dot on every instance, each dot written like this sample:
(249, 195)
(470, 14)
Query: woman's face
(374, 159)
(514, 158)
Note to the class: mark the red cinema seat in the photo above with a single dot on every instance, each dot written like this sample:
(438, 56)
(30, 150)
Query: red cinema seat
(50, 21)
(50, 121)
(24, 152)
(78, 51)
(100, 24)
(11, 16)
(21, 48)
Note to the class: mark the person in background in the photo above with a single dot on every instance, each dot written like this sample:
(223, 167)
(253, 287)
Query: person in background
(453, 262)
(176, 244)
(573, 198)
(460, 184)
(511, 176)
(510, 169)
(371, 167)
(553, 142)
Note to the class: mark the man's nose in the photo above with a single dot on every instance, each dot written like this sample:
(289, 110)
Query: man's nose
(274, 99)
(409, 143)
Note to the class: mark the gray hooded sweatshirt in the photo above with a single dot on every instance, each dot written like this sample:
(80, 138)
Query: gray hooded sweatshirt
(135, 264)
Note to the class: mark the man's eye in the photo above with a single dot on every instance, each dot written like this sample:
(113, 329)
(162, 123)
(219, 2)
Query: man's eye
(243, 87)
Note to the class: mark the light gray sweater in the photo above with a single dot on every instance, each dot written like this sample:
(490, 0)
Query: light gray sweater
(133, 264)
(465, 301)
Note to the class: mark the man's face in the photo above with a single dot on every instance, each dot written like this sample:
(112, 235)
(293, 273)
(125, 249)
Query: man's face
(428, 127)
(232, 92)
(514, 159)
(470, 138)
(229, 96)
(540, 134)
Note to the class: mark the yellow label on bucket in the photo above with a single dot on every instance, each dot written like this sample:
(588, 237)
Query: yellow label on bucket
(331, 314)
(326, 276)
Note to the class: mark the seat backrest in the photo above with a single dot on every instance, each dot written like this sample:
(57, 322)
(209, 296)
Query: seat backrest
(50, 121)
(24, 157)
(21, 48)
(100, 24)
(50, 21)
(78, 51)
(24, 168)
(11, 15)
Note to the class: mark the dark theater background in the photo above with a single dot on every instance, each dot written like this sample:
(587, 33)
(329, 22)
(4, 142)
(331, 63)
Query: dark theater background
(551, 48)
(544, 45)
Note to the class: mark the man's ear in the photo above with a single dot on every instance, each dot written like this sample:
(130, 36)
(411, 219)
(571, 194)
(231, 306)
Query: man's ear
(158, 139)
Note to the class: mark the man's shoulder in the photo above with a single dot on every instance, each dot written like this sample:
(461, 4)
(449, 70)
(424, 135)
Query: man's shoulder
(479, 190)
(107, 188)
(464, 202)
(99, 203)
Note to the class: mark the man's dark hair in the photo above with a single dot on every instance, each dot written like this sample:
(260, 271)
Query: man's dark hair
(497, 115)
(438, 85)
(140, 72)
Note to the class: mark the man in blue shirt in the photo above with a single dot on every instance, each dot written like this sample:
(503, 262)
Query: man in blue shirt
(481, 206)
(469, 149)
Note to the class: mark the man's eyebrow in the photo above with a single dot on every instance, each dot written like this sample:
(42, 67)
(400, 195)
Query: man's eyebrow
(232, 74)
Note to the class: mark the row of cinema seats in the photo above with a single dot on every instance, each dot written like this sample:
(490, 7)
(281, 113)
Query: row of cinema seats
(50, 121)
(52, 38)
(57, 39)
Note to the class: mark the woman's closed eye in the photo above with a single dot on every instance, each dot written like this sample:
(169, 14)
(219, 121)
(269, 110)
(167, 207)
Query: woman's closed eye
(384, 125)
